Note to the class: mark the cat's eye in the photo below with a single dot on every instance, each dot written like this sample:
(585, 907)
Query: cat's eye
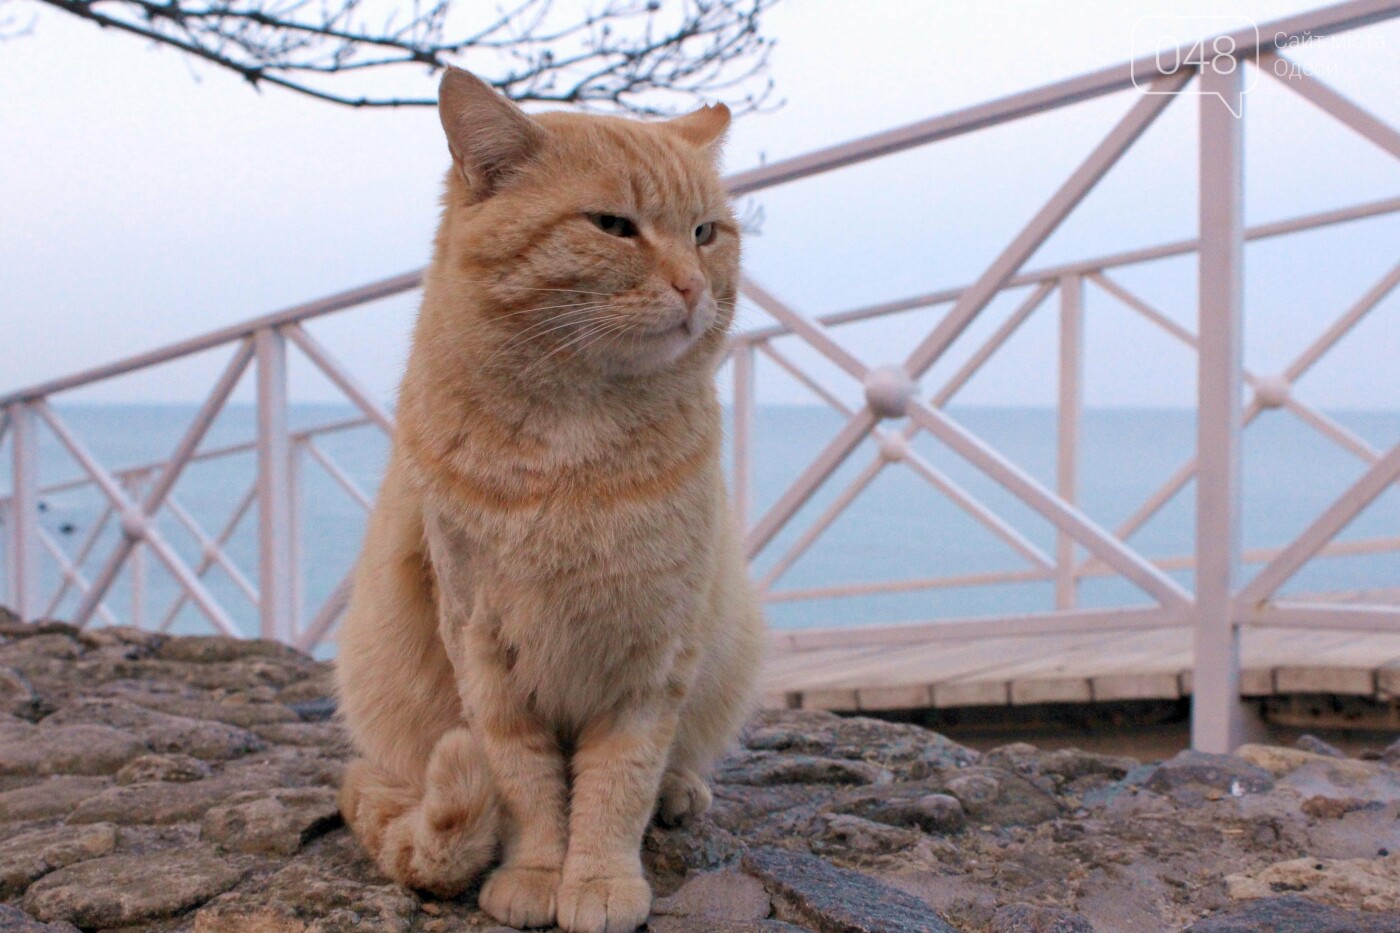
(614, 225)
(705, 233)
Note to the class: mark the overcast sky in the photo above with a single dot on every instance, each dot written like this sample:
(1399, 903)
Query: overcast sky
(143, 199)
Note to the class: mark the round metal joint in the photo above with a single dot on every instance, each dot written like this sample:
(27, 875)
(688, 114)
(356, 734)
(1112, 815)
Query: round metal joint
(893, 446)
(888, 390)
(1272, 391)
(133, 523)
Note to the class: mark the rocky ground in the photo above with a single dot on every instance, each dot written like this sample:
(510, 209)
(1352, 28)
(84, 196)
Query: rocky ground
(187, 784)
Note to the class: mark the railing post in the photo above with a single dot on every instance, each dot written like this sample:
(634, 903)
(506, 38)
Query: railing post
(1071, 405)
(1217, 723)
(743, 356)
(24, 514)
(136, 563)
(297, 507)
(274, 488)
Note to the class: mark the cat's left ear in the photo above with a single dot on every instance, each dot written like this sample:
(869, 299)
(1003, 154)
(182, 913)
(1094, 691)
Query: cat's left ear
(703, 129)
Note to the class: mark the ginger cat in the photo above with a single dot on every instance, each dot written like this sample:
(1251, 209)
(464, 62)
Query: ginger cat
(552, 634)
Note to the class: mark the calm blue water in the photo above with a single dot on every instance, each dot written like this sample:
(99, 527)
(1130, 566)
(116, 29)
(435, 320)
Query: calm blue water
(899, 528)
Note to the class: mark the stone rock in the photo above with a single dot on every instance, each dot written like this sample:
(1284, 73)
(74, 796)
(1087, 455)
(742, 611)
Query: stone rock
(277, 822)
(54, 797)
(248, 676)
(214, 649)
(1069, 771)
(231, 712)
(69, 749)
(1282, 761)
(976, 789)
(122, 636)
(800, 769)
(1001, 798)
(29, 856)
(157, 802)
(1334, 808)
(55, 643)
(300, 899)
(1128, 784)
(323, 734)
(174, 768)
(702, 846)
(1071, 763)
(118, 890)
(1311, 743)
(916, 805)
(17, 696)
(934, 813)
(1293, 914)
(708, 925)
(1191, 770)
(1370, 884)
(162, 732)
(318, 685)
(910, 751)
(12, 627)
(812, 893)
(1391, 753)
(315, 709)
(717, 895)
(12, 727)
(14, 920)
(1027, 918)
(855, 834)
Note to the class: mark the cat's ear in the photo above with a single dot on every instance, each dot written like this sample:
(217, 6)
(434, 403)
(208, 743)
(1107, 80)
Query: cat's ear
(488, 135)
(704, 129)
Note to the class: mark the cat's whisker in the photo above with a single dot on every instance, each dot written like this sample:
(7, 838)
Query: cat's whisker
(534, 288)
(584, 339)
(533, 366)
(554, 322)
(538, 331)
(533, 309)
(552, 326)
(617, 328)
(562, 317)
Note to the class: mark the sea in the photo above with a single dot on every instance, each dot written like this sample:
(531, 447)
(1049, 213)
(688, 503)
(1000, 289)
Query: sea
(900, 528)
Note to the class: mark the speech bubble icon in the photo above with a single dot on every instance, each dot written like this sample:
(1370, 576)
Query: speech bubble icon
(1167, 44)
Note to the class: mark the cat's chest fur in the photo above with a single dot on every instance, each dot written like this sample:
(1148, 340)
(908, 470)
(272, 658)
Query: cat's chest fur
(589, 573)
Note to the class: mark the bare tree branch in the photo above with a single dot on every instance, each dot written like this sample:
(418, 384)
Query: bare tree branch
(638, 56)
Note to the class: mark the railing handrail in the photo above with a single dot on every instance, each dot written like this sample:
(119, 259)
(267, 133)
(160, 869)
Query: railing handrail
(340, 301)
(1248, 42)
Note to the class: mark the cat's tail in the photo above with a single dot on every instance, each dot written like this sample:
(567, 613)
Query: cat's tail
(437, 834)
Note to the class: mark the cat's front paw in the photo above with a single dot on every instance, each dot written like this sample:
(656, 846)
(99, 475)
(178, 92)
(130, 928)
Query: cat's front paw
(684, 798)
(604, 905)
(521, 897)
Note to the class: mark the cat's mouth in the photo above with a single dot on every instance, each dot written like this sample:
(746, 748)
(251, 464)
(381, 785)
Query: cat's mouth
(688, 326)
(685, 327)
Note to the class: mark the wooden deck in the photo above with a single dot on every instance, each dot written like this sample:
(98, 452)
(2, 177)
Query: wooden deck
(1082, 668)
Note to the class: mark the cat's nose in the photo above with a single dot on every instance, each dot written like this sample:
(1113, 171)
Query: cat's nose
(691, 287)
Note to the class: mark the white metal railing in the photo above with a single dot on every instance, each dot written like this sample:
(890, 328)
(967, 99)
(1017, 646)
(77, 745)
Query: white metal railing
(894, 412)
